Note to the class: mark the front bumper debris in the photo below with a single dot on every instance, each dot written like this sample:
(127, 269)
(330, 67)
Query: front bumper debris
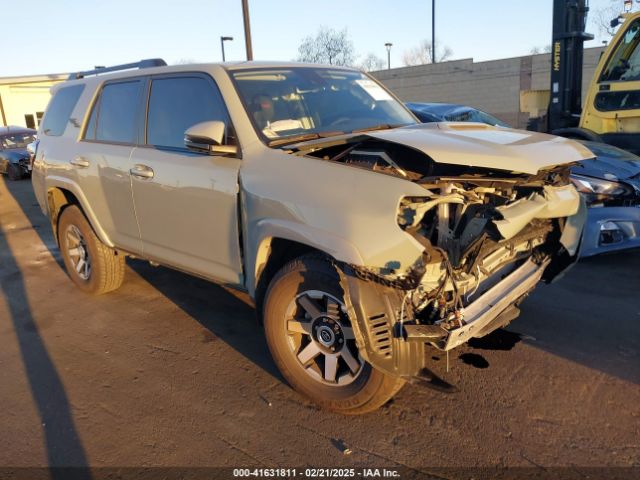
(400, 352)
(491, 310)
(25, 166)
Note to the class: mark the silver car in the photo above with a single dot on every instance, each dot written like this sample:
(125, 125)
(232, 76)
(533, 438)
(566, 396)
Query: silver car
(364, 238)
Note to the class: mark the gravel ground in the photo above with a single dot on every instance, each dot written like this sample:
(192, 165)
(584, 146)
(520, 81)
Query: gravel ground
(173, 371)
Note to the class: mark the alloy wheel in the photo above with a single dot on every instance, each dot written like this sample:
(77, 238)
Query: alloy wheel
(78, 252)
(321, 338)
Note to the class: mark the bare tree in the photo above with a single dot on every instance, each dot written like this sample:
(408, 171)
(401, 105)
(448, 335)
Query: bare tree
(602, 16)
(327, 46)
(372, 62)
(538, 50)
(184, 61)
(422, 54)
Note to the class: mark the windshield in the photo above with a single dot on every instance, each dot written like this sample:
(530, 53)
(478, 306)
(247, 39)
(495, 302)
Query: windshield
(292, 104)
(473, 115)
(18, 140)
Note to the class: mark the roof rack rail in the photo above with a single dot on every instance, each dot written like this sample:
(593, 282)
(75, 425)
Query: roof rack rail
(148, 63)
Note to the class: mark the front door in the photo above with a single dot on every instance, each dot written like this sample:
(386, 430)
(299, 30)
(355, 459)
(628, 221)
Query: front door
(186, 202)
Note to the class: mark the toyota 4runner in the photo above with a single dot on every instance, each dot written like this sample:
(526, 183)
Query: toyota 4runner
(363, 237)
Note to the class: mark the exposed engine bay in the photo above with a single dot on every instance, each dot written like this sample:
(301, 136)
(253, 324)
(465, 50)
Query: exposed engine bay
(488, 236)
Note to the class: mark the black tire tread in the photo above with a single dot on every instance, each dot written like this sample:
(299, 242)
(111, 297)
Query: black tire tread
(107, 265)
(13, 172)
(387, 386)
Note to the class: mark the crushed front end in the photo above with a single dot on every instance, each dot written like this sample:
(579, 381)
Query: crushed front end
(487, 242)
(488, 237)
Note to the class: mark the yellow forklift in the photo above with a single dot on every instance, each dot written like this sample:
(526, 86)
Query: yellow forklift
(611, 113)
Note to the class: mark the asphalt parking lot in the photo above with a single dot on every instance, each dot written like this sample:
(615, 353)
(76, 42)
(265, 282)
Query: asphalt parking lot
(174, 371)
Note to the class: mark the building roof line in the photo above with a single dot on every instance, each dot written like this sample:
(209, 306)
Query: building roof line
(33, 78)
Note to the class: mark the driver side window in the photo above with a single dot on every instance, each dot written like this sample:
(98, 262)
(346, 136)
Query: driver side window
(177, 103)
(624, 64)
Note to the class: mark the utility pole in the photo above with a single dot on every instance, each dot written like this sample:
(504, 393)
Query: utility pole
(247, 29)
(433, 31)
(388, 45)
(222, 40)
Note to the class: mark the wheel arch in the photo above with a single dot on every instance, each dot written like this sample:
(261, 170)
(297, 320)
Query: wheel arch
(62, 195)
(276, 243)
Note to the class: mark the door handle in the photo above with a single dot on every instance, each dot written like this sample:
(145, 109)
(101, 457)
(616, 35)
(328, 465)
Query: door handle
(141, 171)
(80, 162)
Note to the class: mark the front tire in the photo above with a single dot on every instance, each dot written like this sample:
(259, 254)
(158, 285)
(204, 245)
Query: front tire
(13, 172)
(94, 267)
(311, 340)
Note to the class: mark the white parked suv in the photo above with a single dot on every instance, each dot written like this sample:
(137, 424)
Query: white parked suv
(364, 237)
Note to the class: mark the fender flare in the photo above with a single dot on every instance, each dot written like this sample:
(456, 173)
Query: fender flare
(62, 183)
(265, 231)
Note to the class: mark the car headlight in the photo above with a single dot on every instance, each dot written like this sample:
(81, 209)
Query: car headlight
(597, 189)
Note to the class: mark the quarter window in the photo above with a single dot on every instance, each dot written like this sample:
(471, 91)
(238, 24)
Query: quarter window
(115, 115)
(59, 110)
(29, 121)
(177, 103)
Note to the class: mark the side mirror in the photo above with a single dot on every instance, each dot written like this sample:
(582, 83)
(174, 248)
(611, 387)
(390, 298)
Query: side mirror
(208, 137)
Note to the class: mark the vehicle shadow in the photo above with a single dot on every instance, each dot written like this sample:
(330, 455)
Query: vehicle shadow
(63, 444)
(217, 309)
(228, 315)
(22, 192)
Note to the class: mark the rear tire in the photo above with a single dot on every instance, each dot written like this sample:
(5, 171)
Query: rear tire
(13, 172)
(333, 374)
(92, 266)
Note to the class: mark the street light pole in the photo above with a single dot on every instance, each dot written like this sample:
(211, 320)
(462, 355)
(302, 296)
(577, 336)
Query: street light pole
(247, 29)
(388, 45)
(222, 40)
(433, 31)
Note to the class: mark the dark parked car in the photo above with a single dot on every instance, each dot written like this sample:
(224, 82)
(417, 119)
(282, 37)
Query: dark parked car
(451, 112)
(15, 160)
(610, 183)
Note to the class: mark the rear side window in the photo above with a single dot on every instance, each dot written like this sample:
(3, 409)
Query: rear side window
(177, 103)
(114, 117)
(59, 110)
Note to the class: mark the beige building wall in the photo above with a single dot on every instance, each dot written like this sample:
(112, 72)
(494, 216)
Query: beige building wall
(24, 99)
(492, 86)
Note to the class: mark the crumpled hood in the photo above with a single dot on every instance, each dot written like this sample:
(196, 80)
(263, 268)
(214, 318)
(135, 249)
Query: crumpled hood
(485, 146)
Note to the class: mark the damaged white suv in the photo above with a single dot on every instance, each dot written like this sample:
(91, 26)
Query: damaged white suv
(364, 237)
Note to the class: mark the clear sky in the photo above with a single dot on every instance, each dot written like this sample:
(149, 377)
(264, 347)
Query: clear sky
(55, 36)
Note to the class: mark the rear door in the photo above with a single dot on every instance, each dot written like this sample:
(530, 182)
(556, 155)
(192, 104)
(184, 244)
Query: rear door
(186, 202)
(103, 167)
